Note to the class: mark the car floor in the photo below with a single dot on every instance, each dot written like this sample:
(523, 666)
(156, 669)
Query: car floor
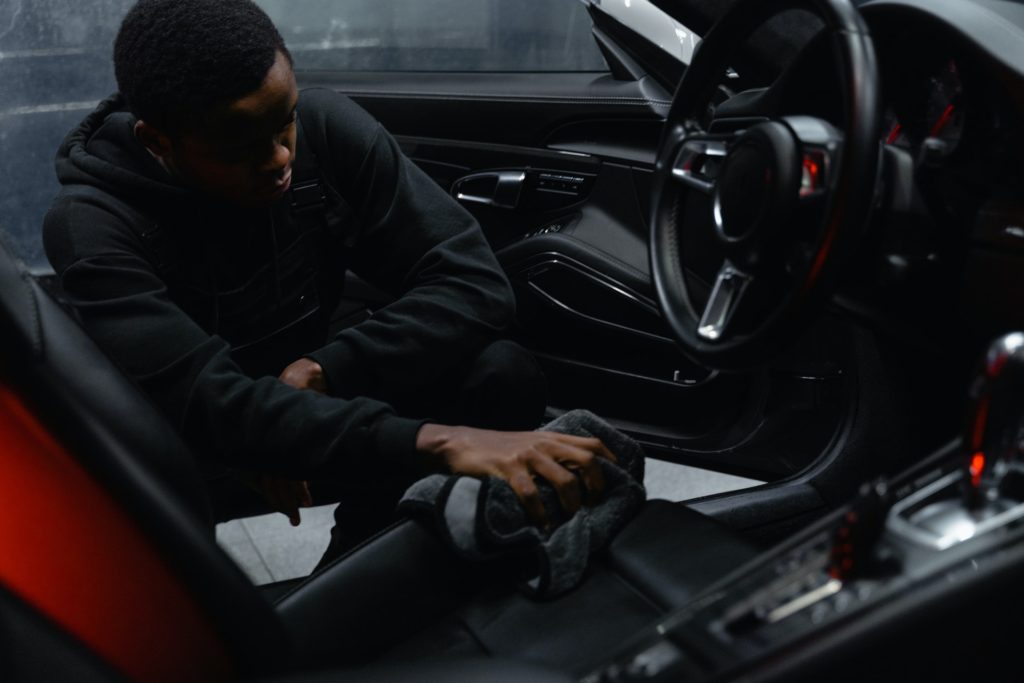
(269, 549)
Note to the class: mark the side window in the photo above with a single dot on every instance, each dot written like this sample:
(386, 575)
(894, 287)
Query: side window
(437, 35)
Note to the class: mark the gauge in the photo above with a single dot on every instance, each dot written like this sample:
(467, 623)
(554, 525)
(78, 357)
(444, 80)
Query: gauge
(932, 118)
(945, 113)
(893, 131)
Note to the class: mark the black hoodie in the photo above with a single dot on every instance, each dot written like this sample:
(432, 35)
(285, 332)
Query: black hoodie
(204, 304)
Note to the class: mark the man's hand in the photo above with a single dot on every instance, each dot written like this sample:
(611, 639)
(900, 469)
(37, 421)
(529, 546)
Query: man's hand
(305, 374)
(517, 457)
(285, 496)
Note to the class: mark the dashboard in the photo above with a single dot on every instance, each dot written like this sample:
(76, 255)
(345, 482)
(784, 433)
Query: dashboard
(953, 90)
(939, 113)
(943, 258)
(949, 104)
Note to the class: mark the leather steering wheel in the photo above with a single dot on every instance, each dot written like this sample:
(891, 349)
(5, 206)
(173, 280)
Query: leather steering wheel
(782, 198)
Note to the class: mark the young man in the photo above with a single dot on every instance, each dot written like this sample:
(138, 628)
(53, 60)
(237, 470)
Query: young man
(208, 214)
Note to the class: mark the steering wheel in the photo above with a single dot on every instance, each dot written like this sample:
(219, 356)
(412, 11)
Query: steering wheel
(782, 198)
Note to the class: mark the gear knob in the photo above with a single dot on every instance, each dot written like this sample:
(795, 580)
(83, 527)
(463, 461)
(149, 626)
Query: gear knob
(995, 428)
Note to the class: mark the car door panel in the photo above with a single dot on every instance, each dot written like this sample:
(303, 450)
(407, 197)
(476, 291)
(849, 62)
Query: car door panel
(579, 267)
(448, 161)
(505, 108)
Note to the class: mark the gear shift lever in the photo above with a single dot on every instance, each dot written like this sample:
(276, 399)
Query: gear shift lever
(995, 430)
(987, 491)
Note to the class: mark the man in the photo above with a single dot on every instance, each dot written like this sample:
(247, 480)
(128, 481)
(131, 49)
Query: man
(207, 216)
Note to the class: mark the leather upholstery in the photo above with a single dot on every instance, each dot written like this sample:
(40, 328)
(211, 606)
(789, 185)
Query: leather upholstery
(665, 556)
(387, 589)
(402, 587)
(669, 553)
(460, 670)
(125, 444)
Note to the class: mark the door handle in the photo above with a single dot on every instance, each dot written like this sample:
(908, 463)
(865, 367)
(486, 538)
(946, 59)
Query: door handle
(492, 188)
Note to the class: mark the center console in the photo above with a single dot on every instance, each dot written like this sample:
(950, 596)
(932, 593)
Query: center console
(919, 573)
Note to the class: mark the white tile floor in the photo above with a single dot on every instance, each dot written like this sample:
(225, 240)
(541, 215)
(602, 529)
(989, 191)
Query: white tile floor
(269, 549)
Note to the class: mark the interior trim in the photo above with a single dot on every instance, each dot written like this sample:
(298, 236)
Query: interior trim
(545, 84)
(488, 97)
(555, 302)
(530, 265)
(535, 267)
(626, 374)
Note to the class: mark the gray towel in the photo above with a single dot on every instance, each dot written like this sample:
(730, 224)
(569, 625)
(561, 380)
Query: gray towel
(484, 520)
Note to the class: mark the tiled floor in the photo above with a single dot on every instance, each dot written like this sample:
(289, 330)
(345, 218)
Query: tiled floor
(269, 549)
(678, 482)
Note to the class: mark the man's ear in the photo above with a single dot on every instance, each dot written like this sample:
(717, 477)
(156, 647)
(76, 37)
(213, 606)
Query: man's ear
(152, 139)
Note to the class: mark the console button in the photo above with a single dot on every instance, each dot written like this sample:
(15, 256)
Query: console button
(854, 540)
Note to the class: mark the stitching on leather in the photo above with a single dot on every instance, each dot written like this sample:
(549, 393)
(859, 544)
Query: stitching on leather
(553, 99)
(673, 240)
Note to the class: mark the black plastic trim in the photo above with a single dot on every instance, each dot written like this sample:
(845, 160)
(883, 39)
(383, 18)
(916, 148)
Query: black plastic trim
(661, 66)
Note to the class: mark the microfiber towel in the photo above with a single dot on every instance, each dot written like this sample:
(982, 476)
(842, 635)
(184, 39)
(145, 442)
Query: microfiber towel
(482, 519)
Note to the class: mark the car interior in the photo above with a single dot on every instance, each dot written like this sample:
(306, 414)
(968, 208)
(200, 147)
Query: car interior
(795, 259)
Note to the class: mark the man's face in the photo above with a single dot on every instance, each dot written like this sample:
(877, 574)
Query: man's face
(244, 153)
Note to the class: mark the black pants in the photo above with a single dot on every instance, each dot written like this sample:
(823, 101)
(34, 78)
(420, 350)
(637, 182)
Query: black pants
(501, 388)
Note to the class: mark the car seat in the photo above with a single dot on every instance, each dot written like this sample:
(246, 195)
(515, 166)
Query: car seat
(128, 526)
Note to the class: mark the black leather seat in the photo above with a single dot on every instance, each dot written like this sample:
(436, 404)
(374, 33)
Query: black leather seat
(408, 598)
(399, 597)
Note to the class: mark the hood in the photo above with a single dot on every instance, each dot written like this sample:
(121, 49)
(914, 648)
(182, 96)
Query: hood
(103, 152)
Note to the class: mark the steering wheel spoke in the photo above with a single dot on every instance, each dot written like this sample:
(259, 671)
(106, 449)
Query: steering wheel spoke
(698, 161)
(730, 286)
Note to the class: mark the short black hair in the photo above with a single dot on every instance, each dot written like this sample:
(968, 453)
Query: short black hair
(176, 60)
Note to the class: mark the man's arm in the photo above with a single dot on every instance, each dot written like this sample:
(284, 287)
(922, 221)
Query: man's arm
(452, 298)
(516, 457)
(261, 424)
